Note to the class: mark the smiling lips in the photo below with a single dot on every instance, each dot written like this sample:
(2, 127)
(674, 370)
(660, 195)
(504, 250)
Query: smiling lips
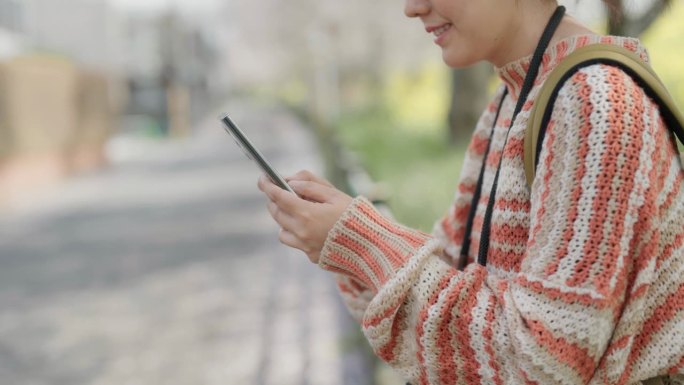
(438, 31)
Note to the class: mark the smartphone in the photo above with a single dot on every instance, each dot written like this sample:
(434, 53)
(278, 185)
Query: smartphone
(252, 153)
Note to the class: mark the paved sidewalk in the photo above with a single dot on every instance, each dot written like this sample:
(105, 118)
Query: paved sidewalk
(166, 269)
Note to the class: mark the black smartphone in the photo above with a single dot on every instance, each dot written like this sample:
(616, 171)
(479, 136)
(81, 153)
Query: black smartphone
(252, 153)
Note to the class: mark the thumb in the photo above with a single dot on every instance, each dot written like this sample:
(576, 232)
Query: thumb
(314, 191)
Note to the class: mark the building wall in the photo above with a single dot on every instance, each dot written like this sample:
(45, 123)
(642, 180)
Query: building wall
(55, 122)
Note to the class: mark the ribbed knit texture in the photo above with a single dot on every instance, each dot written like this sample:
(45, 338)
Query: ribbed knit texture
(585, 279)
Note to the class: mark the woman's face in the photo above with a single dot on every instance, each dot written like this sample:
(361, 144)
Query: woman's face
(468, 31)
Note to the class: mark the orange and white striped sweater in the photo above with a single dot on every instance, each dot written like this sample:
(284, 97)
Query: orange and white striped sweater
(585, 276)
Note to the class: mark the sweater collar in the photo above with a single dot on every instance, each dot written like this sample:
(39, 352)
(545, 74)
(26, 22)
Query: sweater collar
(513, 73)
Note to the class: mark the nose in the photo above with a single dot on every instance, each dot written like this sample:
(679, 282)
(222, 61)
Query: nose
(416, 8)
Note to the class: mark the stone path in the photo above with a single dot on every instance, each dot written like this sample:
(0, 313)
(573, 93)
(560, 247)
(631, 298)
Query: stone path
(166, 269)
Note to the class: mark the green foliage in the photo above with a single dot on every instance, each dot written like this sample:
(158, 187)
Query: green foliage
(403, 143)
(664, 42)
(421, 99)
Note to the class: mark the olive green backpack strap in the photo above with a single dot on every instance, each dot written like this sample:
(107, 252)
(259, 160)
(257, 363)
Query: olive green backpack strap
(612, 55)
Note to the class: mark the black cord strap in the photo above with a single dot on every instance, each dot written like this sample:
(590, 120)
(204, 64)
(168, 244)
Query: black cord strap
(527, 86)
(524, 93)
(465, 247)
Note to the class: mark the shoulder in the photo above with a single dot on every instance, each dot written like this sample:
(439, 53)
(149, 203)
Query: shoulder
(603, 120)
(598, 80)
(603, 94)
(597, 83)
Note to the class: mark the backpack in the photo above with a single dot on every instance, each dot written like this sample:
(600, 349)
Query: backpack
(608, 54)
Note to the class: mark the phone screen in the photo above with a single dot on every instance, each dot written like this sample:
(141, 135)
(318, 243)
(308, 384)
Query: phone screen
(252, 153)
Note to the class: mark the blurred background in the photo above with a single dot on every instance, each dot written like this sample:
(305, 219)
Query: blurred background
(134, 245)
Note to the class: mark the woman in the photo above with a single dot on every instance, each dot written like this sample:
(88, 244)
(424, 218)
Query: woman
(583, 281)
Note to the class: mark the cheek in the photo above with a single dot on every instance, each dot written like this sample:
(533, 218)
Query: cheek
(450, 9)
(477, 27)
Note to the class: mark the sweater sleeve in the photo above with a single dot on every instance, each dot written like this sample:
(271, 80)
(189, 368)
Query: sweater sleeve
(355, 296)
(551, 322)
(450, 228)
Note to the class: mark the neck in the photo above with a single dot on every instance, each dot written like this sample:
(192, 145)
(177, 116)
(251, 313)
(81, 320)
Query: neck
(527, 28)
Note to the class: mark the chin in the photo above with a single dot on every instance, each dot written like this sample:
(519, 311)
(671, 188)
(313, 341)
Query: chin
(458, 60)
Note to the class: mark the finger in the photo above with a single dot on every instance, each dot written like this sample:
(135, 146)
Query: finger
(288, 239)
(262, 182)
(314, 191)
(282, 218)
(306, 175)
(269, 188)
(285, 200)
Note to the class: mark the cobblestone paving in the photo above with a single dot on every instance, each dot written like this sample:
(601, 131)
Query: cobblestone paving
(166, 269)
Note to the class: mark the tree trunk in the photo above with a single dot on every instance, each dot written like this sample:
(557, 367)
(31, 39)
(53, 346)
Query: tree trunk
(468, 98)
(621, 24)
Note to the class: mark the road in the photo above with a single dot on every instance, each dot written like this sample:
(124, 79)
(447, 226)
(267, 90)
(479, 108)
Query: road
(165, 268)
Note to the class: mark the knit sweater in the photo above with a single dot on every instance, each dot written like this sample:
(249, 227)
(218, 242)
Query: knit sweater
(585, 275)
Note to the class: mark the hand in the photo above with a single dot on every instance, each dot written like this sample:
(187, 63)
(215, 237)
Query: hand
(305, 220)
